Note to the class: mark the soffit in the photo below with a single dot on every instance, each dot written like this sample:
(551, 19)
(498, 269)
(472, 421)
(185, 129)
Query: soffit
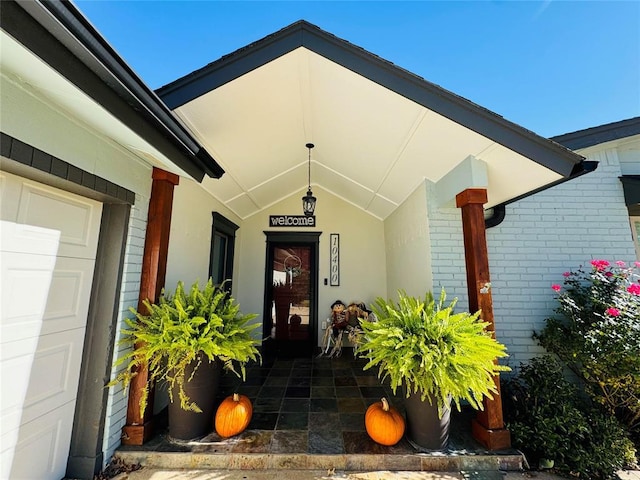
(50, 51)
(373, 146)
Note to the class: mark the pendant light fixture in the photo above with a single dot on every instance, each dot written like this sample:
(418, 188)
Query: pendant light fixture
(309, 201)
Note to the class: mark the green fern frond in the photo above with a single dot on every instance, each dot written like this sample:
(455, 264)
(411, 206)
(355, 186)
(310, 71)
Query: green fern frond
(421, 345)
(177, 328)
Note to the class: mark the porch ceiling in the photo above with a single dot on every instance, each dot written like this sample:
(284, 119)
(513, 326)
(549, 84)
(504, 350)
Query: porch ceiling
(378, 130)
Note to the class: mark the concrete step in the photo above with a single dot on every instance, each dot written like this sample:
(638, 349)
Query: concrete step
(442, 462)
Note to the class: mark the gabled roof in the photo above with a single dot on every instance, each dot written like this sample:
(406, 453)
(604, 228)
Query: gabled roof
(600, 134)
(379, 130)
(61, 36)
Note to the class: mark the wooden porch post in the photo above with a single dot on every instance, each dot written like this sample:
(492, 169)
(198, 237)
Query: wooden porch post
(488, 426)
(139, 429)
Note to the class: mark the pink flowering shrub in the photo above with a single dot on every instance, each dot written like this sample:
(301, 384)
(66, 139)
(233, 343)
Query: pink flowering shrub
(596, 333)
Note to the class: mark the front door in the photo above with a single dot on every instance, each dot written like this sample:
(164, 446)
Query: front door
(291, 294)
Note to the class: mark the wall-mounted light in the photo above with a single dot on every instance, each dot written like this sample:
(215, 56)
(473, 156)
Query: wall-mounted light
(309, 201)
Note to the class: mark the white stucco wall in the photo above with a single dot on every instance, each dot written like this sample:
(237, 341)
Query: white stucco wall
(362, 255)
(190, 236)
(34, 119)
(408, 247)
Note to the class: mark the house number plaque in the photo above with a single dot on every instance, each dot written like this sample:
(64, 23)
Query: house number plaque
(334, 271)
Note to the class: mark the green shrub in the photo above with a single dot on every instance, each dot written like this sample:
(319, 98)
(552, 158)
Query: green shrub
(597, 335)
(548, 419)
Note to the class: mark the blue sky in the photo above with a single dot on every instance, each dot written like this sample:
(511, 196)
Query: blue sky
(552, 66)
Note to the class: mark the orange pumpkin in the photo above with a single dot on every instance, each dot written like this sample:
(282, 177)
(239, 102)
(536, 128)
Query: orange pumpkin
(384, 423)
(233, 415)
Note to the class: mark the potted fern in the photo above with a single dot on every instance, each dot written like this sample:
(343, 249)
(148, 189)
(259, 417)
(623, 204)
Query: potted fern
(186, 339)
(437, 357)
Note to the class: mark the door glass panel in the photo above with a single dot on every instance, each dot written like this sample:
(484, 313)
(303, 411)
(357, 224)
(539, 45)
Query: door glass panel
(291, 294)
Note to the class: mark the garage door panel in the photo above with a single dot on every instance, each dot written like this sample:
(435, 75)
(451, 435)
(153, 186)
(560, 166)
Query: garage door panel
(16, 357)
(77, 219)
(41, 376)
(37, 300)
(20, 238)
(24, 289)
(40, 448)
(48, 242)
(69, 295)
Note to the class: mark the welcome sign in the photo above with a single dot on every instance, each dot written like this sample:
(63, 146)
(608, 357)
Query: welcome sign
(292, 221)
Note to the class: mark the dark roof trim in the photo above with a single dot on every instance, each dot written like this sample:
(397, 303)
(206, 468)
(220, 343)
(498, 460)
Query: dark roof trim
(631, 187)
(61, 36)
(41, 161)
(601, 134)
(386, 74)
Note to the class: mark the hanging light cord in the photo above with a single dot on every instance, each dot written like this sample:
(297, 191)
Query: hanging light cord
(309, 174)
(309, 146)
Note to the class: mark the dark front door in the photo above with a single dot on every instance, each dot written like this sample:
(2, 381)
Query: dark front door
(291, 294)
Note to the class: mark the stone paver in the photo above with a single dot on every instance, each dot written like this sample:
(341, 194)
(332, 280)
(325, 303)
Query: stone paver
(629, 475)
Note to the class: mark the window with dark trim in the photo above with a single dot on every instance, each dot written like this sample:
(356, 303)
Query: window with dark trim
(223, 237)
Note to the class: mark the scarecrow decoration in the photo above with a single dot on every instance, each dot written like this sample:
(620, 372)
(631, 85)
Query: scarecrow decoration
(343, 319)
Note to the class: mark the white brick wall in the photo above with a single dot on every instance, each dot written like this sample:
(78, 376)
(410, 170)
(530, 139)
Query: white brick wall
(541, 237)
(447, 251)
(117, 402)
(548, 233)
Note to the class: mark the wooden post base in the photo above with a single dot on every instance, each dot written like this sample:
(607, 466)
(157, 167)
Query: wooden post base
(492, 439)
(137, 434)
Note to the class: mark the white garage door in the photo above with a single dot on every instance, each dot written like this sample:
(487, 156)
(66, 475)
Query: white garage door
(48, 241)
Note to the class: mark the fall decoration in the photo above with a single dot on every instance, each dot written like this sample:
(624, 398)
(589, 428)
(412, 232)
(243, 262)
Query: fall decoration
(384, 423)
(233, 415)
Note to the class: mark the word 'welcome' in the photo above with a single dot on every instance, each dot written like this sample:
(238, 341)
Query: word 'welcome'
(292, 221)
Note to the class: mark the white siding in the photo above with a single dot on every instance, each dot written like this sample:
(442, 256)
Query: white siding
(36, 120)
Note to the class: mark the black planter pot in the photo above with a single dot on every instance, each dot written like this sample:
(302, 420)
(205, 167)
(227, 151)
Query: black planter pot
(426, 431)
(201, 389)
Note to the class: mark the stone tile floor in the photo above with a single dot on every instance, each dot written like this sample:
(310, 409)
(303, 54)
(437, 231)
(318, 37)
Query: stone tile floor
(310, 406)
